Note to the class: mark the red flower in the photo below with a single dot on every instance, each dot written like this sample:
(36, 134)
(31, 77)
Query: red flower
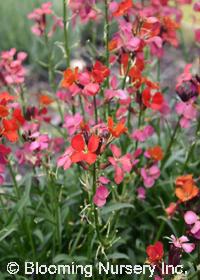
(100, 72)
(123, 8)
(82, 151)
(153, 101)
(11, 126)
(155, 252)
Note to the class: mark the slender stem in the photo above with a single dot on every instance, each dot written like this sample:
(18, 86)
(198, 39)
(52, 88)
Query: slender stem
(66, 39)
(95, 109)
(82, 107)
(22, 100)
(198, 260)
(192, 147)
(158, 70)
(107, 31)
(52, 74)
(96, 219)
(12, 173)
(172, 140)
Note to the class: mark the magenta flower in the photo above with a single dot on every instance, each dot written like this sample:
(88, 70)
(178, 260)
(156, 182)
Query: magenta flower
(187, 111)
(72, 123)
(100, 196)
(183, 243)
(149, 175)
(120, 164)
(143, 134)
(193, 220)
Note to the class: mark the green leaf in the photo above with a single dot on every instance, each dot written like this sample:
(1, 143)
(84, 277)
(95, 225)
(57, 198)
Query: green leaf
(115, 207)
(6, 232)
(118, 256)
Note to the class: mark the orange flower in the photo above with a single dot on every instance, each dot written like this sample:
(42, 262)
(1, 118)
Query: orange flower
(116, 130)
(156, 153)
(112, 45)
(123, 8)
(45, 100)
(3, 111)
(186, 188)
(70, 77)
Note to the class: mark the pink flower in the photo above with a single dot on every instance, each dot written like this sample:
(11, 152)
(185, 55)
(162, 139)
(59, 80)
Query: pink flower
(149, 175)
(41, 142)
(197, 35)
(39, 17)
(11, 70)
(143, 134)
(103, 180)
(65, 160)
(84, 9)
(100, 196)
(185, 76)
(193, 220)
(91, 89)
(197, 6)
(183, 243)
(2, 172)
(187, 111)
(72, 123)
(141, 193)
(120, 164)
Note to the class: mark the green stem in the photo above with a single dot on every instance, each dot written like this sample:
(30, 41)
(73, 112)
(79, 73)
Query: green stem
(96, 218)
(107, 31)
(192, 147)
(22, 100)
(172, 140)
(52, 74)
(12, 173)
(95, 109)
(66, 39)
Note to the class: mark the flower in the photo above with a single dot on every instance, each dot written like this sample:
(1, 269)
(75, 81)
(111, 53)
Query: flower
(65, 160)
(12, 71)
(193, 220)
(186, 188)
(100, 196)
(149, 175)
(155, 252)
(122, 8)
(141, 193)
(187, 111)
(152, 100)
(156, 153)
(120, 164)
(72, 122)
(182, 243)
(143, 134)
(116, 130)
(39, 17)
(170, 210)
(45, 100)
(100, 72)
(84, 151)
(70, 77)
